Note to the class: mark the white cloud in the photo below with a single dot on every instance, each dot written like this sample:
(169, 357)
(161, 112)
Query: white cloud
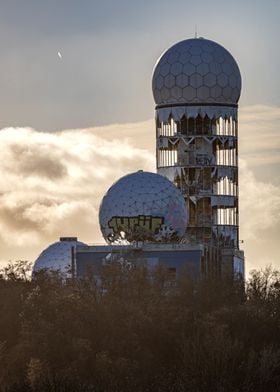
(259, 219)
(259, 142)
(259, 136)
(260, 204)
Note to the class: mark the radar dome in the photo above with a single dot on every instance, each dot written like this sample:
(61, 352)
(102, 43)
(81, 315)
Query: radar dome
(196, 71)
(143, 206)
(57, 256)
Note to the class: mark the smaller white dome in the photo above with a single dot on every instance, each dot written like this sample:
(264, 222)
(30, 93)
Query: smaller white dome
(143, 206)
(57, 256)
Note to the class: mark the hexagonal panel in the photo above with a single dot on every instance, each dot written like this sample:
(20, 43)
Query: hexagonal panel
(185, 57)
(207, 47)
(165, 93)
(206, 57)
(188, 69)
(212, 100)
(157, 95)
(202, 69)
(169, 81)
(210, 80)
(227, 93)
(195, 59)
(180, 46)
(203, 93)
(215, 91)
(195, 50)
(196, 80)
(164, 69)
(172, 57)
(182, 80)
(222, 80)
(227, 67)
(176, 92)
(232, 81)
(238, 82)
(189, 93)
(176, 68)
(218, 56)
(235, 94)
(215, 68)
(159, 82)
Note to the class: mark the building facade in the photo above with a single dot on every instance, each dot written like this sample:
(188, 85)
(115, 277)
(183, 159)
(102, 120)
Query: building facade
(187, 259)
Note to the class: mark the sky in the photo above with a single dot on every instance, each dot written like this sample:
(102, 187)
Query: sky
(76, 111)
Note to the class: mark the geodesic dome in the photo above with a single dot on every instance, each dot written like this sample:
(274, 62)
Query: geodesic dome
(57, 256)
(196, 71)
(143, 206)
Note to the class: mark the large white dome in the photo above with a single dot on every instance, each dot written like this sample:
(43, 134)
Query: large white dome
(57, 256)
(196, 71)
(143, 206)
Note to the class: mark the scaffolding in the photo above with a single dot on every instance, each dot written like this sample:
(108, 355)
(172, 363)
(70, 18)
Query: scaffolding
(199, 155)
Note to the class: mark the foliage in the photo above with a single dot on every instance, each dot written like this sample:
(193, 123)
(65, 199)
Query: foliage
(134, 329)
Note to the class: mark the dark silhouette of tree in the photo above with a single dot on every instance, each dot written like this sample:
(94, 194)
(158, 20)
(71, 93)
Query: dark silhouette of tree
(136, 329)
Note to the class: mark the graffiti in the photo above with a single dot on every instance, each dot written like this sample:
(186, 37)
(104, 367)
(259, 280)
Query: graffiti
(127, 224)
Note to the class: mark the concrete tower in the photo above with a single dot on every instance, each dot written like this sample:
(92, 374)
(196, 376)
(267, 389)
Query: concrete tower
(196, 87)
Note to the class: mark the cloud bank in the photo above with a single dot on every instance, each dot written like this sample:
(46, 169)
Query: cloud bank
(51, 184)
(259, 141)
